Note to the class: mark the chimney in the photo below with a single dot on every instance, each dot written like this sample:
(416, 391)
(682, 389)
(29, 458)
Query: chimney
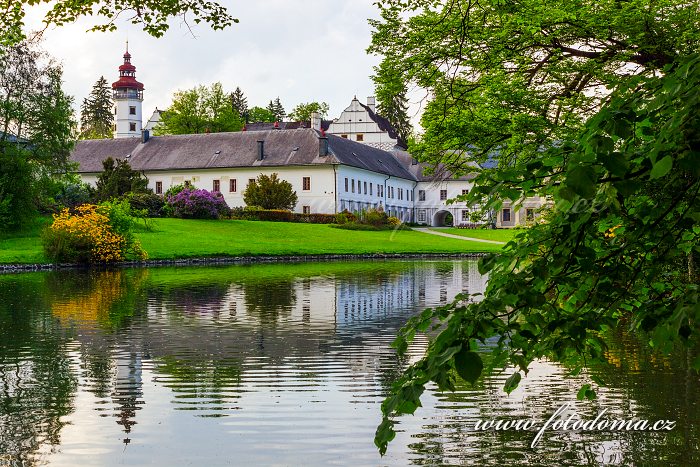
(261, 150)
(145, 135)
(370, 103)
(316, 121)
(323, 146)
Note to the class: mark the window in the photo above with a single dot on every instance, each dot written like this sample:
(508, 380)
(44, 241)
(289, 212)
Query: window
(421, 215)
(132, 126)
(365, 187)
(400, 193)
(306, 183)
(360, 137)
(381, 189)
(132, 110)
(115, 111)
(346, 184)
(306, 209)
(443, 195)
(352, 183)
(232, 185)
(216, 186)
(465, 214)
(344, 136)
(421, 195)
(465, 192)
(159, 188)
(188, 184)
(370, 188)
(251, 181)
(506, 215)
(529, 214)
(412, 195)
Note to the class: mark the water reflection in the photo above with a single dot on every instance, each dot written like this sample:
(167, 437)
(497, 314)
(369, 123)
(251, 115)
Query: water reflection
(284, 363)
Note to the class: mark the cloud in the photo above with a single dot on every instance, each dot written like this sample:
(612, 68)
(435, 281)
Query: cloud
(300, 51)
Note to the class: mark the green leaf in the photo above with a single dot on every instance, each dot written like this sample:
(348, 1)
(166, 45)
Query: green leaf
(468, 365)
(582, 180)
(582, 392)
(661, 167)
(512, 382)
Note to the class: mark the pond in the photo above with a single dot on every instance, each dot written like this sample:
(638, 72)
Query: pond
(287, 365)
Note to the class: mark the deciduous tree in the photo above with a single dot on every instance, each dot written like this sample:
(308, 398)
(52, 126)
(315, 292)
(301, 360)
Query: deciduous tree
(153, 17)
(593, 106)
(199, 110)
(302, 112)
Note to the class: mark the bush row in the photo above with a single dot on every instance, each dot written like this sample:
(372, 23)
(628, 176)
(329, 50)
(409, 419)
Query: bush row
(278, 215)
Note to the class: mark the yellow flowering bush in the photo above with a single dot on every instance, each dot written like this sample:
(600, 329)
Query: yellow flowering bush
(87, 235)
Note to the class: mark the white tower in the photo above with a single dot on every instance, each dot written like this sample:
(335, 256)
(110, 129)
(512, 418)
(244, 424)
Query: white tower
(128, 95)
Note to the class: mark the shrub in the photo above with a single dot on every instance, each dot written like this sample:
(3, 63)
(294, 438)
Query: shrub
(92, 234)
(375, 217)
(198, 204)
(151, 204)
(174, 190)
(393, 221)
(270, 192)
(345, 217)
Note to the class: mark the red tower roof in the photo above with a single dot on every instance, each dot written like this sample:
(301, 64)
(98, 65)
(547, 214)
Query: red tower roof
(127, 75)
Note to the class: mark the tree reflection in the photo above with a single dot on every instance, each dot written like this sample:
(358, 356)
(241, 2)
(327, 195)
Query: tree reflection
(37, 384)
(269, 300)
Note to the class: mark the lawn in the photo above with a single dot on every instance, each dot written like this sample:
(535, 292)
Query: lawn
(178, 238)
(499, 235)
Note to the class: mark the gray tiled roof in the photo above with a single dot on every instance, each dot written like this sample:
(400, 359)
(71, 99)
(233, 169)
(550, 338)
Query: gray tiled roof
(424, 172)
(239, 149)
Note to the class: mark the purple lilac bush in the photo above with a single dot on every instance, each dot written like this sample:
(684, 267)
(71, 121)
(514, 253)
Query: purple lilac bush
(198, 204)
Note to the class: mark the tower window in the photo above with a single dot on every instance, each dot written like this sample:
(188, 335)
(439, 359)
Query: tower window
(132, 126)
(360, 137)
(132, 110)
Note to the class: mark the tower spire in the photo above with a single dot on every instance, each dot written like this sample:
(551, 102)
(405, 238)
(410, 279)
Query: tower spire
(128, 96)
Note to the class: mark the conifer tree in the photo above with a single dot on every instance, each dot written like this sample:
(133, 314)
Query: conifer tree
(97, 112)
(277, 109)
(239, 103)
(392, 102)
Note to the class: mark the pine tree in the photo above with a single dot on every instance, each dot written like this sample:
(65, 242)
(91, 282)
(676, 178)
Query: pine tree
(277, 109)
(239, 103)
(392, 102)
(97, 112)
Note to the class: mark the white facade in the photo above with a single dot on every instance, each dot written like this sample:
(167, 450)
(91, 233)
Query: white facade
(232, 182)
(360, 189)
(431, 207)
(356, 124)
(128, 117)
(153, 121)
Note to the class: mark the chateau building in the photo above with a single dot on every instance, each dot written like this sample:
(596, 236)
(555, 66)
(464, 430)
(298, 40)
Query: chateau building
(354, 162)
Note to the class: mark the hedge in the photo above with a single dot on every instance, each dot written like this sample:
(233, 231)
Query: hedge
(278, 215)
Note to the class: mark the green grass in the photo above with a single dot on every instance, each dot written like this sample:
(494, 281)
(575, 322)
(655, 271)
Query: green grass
(24, 247)
(178, 238)
(499, 235)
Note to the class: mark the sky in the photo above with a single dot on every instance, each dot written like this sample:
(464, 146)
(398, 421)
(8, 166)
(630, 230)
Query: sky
(301, 51)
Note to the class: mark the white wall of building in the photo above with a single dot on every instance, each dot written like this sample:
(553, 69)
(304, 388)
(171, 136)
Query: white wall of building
(320, 198)
(355, 123)
(399, 205)
(124, 118)
(431, 210)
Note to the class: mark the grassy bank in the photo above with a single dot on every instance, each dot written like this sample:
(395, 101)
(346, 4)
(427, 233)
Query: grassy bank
(178, 238)
(498, 235)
